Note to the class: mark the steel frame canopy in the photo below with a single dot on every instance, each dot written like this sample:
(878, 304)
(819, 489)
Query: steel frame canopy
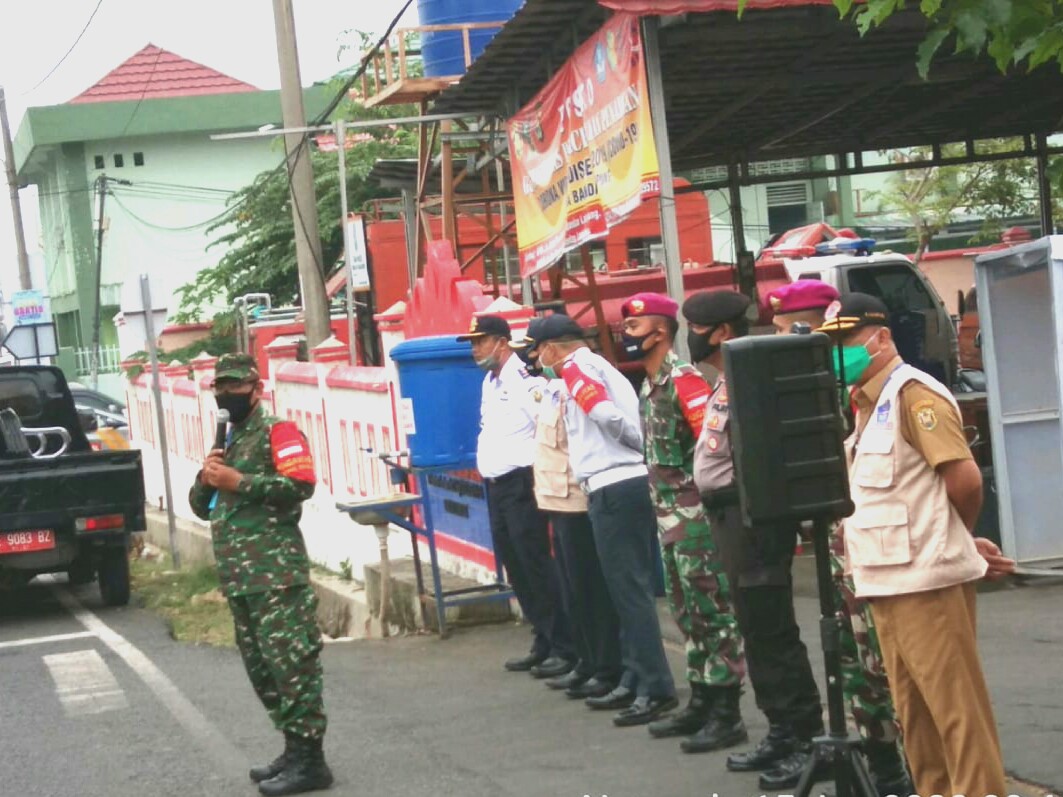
(787, 79)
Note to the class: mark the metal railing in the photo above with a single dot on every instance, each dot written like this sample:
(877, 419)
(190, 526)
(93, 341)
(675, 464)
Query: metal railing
(110, 361)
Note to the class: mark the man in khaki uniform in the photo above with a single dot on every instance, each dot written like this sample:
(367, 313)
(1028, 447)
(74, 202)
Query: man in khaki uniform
(917, 494)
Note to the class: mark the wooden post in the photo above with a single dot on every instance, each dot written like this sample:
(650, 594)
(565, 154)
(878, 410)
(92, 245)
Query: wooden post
(468, 45)
(605, 336)
(450, 231)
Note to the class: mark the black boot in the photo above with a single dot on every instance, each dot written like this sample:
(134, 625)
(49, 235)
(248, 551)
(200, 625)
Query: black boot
(724, 726)
(687, 721)
(274, 767)
(306, 771)
(774, 747)
(885, 761)
(786, 772)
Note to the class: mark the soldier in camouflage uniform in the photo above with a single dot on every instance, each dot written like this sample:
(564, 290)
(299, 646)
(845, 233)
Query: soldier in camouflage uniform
(252, 494)
(672, 404)
(864, 680)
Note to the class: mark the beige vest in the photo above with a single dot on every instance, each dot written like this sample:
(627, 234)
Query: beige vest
(556, 489)
(905, 535)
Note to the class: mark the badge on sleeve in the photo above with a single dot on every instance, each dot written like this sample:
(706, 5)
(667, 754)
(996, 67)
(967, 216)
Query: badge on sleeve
(925, 415)
(693, 394)
(291, 452)
(587, 392)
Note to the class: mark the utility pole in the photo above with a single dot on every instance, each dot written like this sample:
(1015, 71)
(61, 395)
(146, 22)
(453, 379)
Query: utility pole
(301, 180)
(101, 195)
(24, 279)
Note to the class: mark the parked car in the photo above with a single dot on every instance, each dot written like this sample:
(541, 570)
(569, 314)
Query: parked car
(87, 397)
(63, 506)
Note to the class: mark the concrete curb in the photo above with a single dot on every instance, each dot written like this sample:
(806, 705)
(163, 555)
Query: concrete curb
(343, 610)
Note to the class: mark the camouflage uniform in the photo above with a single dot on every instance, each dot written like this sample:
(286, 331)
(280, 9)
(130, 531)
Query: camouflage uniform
(263, 565)
(863, 670)
(672, 405)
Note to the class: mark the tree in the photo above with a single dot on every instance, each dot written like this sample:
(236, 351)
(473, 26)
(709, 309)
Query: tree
(259, 231)
(1013, 32)
(930, 199)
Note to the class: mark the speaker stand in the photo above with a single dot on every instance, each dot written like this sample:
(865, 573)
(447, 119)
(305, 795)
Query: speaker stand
(837, 751)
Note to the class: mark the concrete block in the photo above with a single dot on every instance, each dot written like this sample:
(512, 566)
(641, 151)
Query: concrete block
(404, 606)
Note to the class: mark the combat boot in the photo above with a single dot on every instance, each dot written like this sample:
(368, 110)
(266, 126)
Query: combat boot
(687, 721)
(885, 761)
(724, 727)
(274, 767)
(777, 745)
(305, 771)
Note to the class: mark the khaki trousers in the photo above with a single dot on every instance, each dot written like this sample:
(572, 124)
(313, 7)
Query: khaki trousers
(931, 654)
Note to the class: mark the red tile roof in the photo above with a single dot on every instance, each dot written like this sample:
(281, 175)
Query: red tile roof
(153, 73)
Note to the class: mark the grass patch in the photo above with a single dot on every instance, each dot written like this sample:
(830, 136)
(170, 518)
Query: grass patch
(189, 599)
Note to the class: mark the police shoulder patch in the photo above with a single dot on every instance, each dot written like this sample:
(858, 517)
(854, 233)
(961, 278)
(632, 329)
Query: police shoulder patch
(291, 452)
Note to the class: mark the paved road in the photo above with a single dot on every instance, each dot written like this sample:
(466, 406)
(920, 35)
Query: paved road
(99, 701)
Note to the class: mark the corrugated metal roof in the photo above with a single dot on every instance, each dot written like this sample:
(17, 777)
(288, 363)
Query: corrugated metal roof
(154, 72)
(402, 173)
(785, 81)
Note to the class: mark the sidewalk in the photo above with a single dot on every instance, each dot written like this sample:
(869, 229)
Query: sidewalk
(421, 716)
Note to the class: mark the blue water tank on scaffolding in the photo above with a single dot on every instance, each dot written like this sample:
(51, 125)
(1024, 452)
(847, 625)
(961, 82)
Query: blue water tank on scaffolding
(444, 51)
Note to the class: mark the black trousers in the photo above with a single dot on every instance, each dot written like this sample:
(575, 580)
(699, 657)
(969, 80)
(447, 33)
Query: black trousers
(593, 620)
(759, 561)
(521, 540)
(625, 526)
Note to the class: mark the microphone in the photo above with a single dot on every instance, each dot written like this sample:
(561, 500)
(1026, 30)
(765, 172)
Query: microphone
(220, 432)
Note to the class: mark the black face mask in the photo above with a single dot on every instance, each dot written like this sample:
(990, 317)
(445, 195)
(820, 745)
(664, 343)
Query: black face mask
(530, 365)
(700, 348)
(633, 345)
(238, 405)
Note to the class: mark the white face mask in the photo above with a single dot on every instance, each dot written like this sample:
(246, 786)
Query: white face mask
(490, 362)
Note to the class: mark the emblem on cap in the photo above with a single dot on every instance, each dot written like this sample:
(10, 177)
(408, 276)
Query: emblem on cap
(832, 310)
(776, 303)
(637, 306)
(473, 326)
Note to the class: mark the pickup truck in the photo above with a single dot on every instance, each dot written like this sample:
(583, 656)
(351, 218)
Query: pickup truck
(63, 506)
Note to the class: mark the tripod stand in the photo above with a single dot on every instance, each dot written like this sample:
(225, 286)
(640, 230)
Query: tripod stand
(837, 749)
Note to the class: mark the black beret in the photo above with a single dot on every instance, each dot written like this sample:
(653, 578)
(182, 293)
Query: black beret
(709, 308)
(853, 311)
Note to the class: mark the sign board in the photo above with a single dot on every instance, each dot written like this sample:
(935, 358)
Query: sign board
(32, 341)
(582, 151)
(30, 307)
(357, 257)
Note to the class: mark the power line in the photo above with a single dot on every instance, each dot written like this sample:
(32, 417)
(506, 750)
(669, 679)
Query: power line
(140, 99)
(146, 223)
(67, 53)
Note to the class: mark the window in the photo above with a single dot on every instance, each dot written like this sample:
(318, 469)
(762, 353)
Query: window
(119, 161)
(574, 259)
(645, 252)
(99, 162)
(138, 158)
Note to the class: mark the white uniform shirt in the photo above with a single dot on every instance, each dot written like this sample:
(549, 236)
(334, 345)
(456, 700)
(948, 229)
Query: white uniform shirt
(602, 418)
(508, 410)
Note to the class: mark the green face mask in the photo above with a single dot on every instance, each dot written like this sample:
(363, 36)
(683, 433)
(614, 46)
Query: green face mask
(855, 359)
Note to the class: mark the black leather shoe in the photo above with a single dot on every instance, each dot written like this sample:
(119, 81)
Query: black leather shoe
(525, 663)
(592, 687)
(552, 667)
(690, 719)
(774, 747)
(724, 726)
(567, 681)
(644, 709)
(620, 697)
(787, 772)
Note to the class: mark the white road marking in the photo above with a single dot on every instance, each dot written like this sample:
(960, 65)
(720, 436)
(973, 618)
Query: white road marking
(84, 684)
(45, 640)
(214, 742)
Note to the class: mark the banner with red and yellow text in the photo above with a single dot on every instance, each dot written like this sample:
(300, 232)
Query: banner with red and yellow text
(582, 151)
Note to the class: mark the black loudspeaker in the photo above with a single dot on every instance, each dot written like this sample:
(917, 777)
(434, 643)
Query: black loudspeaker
(786, 428)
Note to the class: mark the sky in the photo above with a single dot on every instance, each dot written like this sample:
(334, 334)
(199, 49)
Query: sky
(235, 37)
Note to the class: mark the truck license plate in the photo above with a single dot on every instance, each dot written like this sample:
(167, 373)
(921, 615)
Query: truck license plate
(25, 541)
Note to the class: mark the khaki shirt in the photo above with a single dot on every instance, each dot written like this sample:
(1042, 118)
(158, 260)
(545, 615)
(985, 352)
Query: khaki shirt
(928, 422)
(713, 464)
